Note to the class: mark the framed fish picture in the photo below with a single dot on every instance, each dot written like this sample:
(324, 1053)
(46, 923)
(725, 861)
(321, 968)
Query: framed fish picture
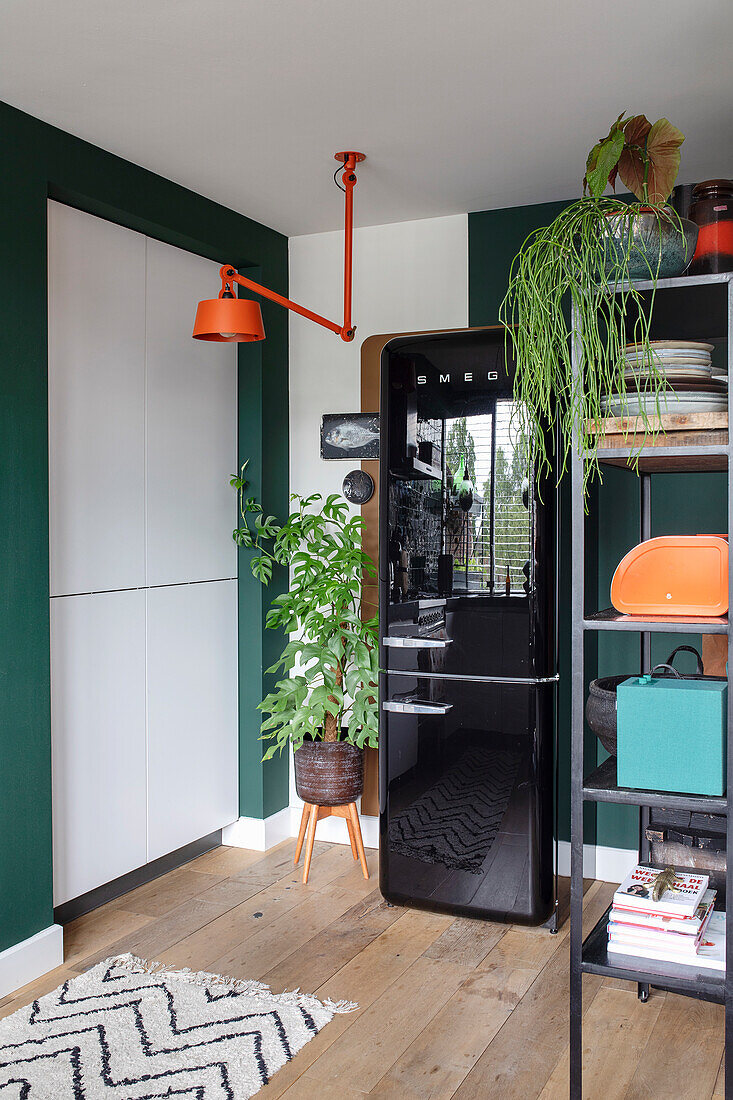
(350, 435)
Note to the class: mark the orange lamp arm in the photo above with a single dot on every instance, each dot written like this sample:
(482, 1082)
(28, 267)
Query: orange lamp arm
(346, 330)
(229, 275)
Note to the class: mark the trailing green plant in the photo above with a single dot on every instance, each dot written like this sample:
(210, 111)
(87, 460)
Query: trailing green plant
(571, 280)
(329, 668)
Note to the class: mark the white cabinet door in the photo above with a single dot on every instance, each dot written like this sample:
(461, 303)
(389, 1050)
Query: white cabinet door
(192, 713)
(98, 739)
(191, 426)
(143, 441)
(96, 285)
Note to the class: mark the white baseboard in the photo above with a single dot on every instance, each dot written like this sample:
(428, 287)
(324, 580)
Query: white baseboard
(334, 829)
(257, 833)
(599, 861)
(29, 959)
(607, 864)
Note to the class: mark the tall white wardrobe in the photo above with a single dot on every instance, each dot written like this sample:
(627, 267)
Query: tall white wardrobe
(142, 442)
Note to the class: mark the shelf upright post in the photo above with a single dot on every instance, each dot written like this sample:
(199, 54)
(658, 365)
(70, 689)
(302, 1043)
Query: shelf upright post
(577, 664)
(645, 532)
(729, 829)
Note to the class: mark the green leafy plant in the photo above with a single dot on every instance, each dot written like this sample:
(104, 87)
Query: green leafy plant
(645, 156)
(329, 668)
(573, 279)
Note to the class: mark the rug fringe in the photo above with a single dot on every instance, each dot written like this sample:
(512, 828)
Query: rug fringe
(332, 1006)
(131, 964)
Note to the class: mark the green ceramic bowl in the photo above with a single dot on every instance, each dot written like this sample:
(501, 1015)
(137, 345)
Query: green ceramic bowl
(656, 243)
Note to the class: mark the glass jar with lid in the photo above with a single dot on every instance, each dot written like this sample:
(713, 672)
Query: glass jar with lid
(712, 210)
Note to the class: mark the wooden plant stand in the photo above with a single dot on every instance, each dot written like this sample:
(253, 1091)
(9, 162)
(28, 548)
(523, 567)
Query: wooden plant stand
(312, 814)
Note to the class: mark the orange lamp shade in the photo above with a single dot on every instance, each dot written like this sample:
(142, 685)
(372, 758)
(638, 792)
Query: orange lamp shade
(228, 319)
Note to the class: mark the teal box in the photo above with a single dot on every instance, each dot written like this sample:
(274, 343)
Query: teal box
(671, 734)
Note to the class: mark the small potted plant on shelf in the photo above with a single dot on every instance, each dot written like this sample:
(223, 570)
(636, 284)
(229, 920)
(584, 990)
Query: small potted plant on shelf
(573, 280)
(325, 703)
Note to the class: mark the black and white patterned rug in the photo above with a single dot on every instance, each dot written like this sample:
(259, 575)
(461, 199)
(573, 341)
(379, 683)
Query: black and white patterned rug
(131, 1030)
(455, 822)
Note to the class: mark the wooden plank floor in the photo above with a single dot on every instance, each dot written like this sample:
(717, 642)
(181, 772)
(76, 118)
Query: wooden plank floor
(447, 1007)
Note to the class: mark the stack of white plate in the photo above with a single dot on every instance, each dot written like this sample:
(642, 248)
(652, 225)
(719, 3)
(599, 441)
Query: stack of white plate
(692, 383)
(679, 360)
(633, 404)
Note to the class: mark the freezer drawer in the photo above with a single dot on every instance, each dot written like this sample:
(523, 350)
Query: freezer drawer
(466, 820)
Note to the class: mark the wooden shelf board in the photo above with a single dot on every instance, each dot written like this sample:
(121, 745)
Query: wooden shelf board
(656, 431)
(601, 786)
(684, 443)
(705, 985)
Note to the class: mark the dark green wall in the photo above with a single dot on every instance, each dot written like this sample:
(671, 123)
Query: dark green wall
(39, 162)
(680, 503)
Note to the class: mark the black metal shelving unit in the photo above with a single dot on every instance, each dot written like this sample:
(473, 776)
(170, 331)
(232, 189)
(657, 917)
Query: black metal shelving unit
(692, 308)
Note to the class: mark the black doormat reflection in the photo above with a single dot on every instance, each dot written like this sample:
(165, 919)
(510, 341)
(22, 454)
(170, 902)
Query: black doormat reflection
(456, 821)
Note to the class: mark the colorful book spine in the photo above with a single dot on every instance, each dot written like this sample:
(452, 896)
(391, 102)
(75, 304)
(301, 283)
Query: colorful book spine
(710, 954)
(674, 942)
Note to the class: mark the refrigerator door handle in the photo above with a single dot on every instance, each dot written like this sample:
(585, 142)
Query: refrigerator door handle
(452, 676)
(417, 708)
(417, 643)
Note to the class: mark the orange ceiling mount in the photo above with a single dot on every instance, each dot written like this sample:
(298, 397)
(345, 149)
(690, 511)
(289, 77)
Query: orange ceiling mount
(228, 318)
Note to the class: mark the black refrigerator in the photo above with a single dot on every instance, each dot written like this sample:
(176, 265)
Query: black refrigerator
(467, 579)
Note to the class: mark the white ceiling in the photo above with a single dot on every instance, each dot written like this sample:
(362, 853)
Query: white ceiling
(462, 105)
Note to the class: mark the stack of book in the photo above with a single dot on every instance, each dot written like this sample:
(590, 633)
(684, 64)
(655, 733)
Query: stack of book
(680, 926)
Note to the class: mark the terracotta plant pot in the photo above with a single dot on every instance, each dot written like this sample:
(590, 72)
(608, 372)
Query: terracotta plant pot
(329, 773)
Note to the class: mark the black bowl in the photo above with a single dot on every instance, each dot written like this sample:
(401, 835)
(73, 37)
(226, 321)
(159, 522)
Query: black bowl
(600, 709)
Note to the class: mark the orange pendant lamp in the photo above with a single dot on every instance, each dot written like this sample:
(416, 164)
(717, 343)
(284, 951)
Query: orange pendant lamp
(231, 319)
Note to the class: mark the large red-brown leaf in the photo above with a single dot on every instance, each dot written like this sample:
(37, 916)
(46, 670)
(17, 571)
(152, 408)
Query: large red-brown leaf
(663, 141)
(663, 147)
(631, 165)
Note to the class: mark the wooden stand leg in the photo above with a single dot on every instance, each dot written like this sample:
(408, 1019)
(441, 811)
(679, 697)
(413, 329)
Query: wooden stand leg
(312, 822)
(352, 839)
(356, 827)
(301, 833)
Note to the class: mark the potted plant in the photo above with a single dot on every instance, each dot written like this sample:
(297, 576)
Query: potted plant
(325, 702)
(587, 259)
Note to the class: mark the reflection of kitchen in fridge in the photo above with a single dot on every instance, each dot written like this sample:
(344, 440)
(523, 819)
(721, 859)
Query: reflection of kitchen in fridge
(467, 595)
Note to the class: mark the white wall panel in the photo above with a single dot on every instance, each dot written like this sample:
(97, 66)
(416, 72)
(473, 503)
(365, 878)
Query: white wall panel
(192, 712)
(98, 739)
(408, 276)
(191, 426)
(96, 403)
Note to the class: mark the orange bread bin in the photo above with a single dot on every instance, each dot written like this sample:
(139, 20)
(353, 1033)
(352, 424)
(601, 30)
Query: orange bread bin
(673, 575)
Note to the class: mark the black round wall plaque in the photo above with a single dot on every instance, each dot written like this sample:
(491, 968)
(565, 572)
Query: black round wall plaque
(358, 487)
